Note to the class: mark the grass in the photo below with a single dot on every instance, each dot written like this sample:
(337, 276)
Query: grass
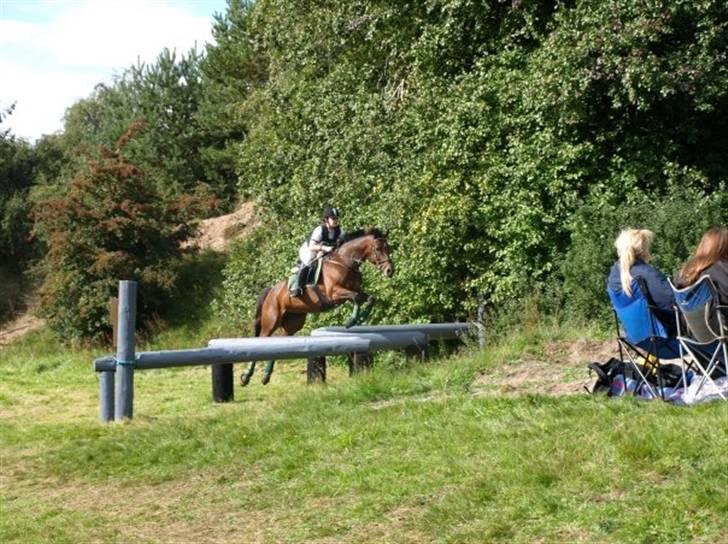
(405, 453)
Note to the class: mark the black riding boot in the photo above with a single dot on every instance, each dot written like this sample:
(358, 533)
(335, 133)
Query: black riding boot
(300, 284)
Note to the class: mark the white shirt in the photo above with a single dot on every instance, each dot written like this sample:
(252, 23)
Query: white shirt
(317, 236)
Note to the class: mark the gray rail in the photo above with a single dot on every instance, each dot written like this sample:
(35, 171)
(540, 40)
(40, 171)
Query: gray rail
(242, 350)
(378, 341)
(434, 331)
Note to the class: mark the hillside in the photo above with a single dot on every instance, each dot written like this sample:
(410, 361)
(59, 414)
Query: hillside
(216, 233)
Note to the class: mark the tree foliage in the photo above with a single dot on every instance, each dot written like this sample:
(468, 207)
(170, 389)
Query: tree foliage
(165, 96)
(112, 224)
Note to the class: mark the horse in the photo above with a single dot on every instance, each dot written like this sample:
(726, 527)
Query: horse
(340, 281)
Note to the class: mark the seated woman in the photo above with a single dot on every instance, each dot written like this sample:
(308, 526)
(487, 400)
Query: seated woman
(633, 250)
(710, 258)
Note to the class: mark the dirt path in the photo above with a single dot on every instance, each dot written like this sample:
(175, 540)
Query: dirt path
(21, 325)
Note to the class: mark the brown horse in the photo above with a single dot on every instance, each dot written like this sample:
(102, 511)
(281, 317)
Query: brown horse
(340, 281)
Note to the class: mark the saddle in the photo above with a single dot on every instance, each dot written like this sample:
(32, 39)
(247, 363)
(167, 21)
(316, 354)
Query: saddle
(311, 274)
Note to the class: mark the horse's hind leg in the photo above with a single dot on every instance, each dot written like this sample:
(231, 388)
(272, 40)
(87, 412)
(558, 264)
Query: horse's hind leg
(245, 378)
(268, 324)
(291, 323)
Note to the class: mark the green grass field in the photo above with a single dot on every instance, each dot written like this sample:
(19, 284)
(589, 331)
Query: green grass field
(408, 452)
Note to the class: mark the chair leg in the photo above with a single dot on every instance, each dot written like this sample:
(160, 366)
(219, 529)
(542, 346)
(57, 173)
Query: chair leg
(643, 378)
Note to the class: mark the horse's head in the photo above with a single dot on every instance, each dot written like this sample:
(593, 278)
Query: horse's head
(379, 253)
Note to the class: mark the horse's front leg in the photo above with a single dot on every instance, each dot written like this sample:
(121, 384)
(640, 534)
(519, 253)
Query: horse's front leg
(358, 299)
(367, 309)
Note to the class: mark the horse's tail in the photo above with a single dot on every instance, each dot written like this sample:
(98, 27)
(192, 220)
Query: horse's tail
(258, 308)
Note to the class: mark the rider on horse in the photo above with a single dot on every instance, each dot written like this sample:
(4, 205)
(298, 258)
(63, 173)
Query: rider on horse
(322, 240)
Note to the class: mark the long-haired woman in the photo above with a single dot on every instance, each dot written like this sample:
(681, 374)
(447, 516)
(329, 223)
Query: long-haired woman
(633, 252)
(710, 258)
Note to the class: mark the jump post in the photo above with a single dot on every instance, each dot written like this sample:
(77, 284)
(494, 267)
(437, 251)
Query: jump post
(116, 373)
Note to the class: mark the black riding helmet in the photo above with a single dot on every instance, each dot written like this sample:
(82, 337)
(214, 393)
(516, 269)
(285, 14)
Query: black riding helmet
(330, 211)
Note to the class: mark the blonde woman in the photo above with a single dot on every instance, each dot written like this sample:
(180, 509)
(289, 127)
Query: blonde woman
(711, 259)
(633, 252)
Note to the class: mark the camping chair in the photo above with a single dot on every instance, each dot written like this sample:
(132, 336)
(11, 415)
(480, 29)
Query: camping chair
(645, 338)
(706, 319)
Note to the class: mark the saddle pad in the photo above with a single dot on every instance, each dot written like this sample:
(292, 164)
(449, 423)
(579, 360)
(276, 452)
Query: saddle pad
(312, 276)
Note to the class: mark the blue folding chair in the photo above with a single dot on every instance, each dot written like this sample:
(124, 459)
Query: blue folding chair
(706, 338)
(644, 338)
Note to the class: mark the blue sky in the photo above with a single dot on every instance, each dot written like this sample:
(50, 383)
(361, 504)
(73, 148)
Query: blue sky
(53, 52)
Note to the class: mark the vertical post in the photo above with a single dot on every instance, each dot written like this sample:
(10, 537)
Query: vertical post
(106, 396)
(316, 370)
(125, 351)
(359, 362)
(222, 383)
(106, 378)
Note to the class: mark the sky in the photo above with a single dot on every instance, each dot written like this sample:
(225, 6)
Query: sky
(54, 52)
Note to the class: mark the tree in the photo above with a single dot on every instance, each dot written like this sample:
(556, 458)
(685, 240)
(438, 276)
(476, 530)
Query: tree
(16, 175)
(164, 96)
(112, 224)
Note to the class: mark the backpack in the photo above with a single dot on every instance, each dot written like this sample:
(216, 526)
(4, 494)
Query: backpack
(605, 372)
(669, 375)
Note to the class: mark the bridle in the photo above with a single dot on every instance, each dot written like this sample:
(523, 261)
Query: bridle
(380, 261)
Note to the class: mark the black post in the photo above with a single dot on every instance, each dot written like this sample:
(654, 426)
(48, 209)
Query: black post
(316, 370)
(222, 383)
(420, 352)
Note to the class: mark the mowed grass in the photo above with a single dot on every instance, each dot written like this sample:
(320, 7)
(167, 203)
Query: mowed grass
(408, 454)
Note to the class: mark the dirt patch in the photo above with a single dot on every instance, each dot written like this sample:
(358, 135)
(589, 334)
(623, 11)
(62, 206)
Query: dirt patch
(217, 232)
(18, 327)
(561, 371)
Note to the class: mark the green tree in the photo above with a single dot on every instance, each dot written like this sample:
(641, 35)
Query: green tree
(16, 176)
(165, 96)
(232, 68)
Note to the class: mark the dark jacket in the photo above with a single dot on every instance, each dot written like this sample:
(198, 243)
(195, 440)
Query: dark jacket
(659, 290)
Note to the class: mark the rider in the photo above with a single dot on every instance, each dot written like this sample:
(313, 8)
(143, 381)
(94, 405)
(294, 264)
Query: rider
(322, 240)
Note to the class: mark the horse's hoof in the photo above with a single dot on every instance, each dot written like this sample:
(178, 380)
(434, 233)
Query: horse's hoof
(265, 379)
(350, 324)
(244, 380)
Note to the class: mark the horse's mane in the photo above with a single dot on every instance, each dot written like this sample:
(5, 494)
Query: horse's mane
(349, 236)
